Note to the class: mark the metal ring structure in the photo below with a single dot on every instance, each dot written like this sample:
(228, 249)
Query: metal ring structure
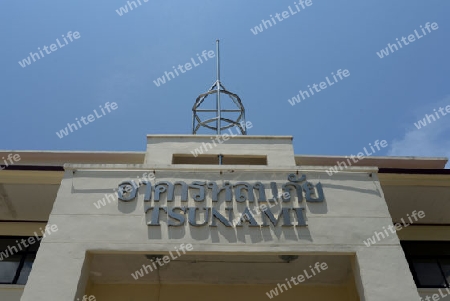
(212, 123)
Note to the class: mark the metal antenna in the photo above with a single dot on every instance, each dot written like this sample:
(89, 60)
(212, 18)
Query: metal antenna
(218, 108)
(218, 60)
(219, 121)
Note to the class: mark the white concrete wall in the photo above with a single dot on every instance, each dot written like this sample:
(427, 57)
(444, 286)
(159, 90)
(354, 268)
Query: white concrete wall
(438, 294)
(10, 292)
(279, 150)
(354, 208)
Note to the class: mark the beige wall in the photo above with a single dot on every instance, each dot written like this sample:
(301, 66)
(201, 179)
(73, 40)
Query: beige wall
(119, 292)
(354, 208)
(428, 233)
(14, 292)
(418, 232)
(11, 292)
(20, 229)
(438, 294)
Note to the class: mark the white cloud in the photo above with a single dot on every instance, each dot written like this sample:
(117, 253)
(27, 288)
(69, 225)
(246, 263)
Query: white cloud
(432, 140)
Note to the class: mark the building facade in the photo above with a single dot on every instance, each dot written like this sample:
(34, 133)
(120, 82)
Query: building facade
(264, 224)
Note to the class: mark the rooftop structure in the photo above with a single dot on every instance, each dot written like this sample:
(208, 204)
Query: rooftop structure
(164, 224)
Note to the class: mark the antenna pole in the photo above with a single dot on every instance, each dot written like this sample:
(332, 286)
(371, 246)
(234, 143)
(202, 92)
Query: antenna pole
(218, 108)
(213, 119)
(218, 60)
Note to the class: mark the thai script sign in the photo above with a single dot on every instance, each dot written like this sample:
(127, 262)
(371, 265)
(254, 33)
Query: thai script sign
(242, 193)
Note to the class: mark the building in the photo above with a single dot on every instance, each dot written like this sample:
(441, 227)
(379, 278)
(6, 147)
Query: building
(266, 224)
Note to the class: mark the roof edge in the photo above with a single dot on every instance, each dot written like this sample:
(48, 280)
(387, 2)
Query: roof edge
(404, 162)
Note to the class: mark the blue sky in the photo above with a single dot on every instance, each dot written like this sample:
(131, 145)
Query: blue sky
(117, 58)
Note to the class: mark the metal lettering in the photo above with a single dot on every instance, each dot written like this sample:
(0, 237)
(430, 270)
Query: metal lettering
(154, 218)
(247, 217)
(200, 196)
(308, 187)
(240, 197)
(300, 220)
(192, 216)
(285, 212)
(127, 191)
(176, 216)
(216, 215)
